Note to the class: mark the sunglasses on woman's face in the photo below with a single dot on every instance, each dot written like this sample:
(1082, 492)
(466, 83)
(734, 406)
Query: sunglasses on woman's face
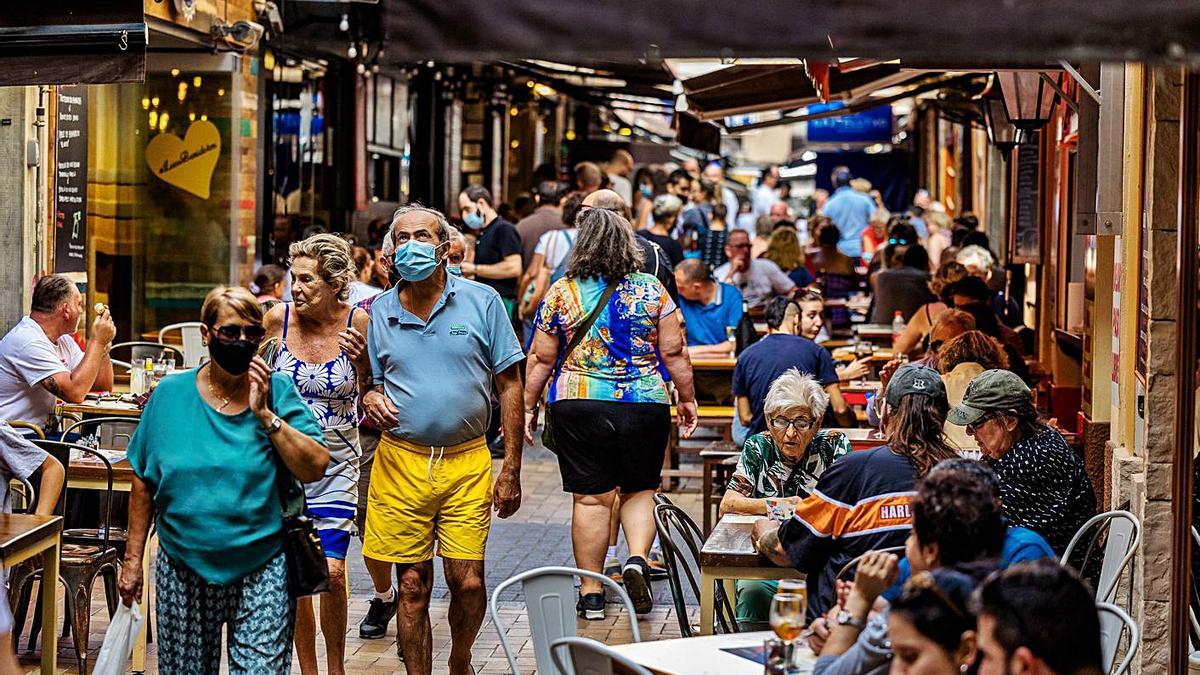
(231, 332)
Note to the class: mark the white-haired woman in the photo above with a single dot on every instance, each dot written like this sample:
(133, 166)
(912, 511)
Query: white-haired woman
(322, 347)
(610, 402)
(781, 464)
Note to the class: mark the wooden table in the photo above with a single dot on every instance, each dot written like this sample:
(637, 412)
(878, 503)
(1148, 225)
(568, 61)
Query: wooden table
(23, 536)
(879, 356)
(704, 655)
(718, 456)
(714, 363)
(880, 333)
(728, 555)
(91, 475)
(94, 408)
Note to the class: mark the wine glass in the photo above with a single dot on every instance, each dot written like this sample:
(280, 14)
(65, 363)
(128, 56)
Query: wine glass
(795, 587)
(787, 616)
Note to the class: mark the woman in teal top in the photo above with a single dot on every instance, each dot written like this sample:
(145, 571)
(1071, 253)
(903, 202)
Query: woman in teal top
(204, 460)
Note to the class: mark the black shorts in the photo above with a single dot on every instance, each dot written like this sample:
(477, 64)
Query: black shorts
(603, 445)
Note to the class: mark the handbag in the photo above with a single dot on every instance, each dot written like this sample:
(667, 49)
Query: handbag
(307, 569)
(548, 422)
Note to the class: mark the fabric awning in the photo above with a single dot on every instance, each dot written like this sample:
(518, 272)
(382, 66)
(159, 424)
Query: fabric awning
(624, 30)
(72, 42)
(739, 90)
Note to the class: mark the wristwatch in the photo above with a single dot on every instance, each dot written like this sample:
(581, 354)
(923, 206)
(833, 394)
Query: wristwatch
(845, 618)
(274, 425)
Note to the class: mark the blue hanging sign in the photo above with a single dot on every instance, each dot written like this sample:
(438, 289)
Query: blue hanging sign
(869, 126)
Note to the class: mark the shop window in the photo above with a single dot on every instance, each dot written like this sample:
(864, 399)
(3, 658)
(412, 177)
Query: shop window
(162, 176)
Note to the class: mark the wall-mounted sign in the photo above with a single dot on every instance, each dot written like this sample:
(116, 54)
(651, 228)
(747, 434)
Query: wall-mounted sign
(1026, 232)
(70, 180)
(187, 164)
(868, 126)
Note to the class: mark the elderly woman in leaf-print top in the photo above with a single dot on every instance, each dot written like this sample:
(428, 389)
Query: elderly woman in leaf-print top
(610, 403)
(783, 462)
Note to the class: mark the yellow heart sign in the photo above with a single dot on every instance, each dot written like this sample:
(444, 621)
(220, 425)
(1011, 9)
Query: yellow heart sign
(187, 164)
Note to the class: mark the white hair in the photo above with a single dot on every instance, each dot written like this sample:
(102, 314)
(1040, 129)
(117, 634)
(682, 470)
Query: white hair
(388, 248)
(457, 235)
(976, 256)
(794, 389)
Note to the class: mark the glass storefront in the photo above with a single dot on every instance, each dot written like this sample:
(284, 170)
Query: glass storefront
(162, 187)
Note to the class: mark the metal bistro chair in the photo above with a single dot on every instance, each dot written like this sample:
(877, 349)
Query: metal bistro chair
(81, 563)
(588, 657)
(139, 351)
(550, 601)
(102, 433)
(681, 542)
(18, 424)
(1119, 532)
(193, 348)
(1115, 624)
(853, 564)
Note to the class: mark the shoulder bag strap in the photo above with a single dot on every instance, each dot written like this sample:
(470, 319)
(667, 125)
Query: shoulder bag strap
(587, 326)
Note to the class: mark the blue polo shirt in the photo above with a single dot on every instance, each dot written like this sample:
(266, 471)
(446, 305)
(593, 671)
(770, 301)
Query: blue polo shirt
(439, 373)
(706, 324)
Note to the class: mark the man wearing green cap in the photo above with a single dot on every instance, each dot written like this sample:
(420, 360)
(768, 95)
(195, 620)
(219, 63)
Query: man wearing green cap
(1043, 484)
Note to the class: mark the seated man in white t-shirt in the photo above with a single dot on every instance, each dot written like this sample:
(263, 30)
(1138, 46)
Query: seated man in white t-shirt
(39, 360)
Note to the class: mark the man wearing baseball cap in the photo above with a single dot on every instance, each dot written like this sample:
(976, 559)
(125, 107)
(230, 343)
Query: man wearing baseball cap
(861, 502)
(1043, 484)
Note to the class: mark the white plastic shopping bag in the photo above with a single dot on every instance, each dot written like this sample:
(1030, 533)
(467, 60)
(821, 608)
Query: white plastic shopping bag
(118, 641)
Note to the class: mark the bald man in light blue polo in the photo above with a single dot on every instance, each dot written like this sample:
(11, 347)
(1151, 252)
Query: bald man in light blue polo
(438, 344)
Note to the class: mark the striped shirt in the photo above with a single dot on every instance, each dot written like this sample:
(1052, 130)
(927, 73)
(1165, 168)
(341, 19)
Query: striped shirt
(860, 504)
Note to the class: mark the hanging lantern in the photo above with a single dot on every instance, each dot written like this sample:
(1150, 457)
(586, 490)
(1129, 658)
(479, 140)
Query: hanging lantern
(1028, 99)
(1000, 131)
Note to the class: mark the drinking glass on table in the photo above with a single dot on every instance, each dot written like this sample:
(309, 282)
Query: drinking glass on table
(795, 587)
(731, 336)
(787, 615)
(863, 350)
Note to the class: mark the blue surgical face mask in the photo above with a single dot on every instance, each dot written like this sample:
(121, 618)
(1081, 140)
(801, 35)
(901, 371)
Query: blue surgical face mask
(456, 270)
(415, 260)
(473, 220)
(647, 191)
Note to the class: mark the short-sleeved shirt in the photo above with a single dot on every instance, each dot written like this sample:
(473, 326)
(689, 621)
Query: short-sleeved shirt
(213, 476)
(851, 211)
(1044, 487)
(900, 289)
(18, 459)
(761, 282)
(618, 360)
(439, 372)
(706, 324)
(669, 246)
(764, 361)
(496, 242)
(861, 503)
(530, 229)
(763, 471)
(556, 245)
(27, 357)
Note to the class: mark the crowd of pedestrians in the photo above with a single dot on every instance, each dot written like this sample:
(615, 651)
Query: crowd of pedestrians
(389, 407)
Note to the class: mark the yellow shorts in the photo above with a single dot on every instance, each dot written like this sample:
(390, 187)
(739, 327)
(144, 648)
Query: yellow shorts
(417, 497)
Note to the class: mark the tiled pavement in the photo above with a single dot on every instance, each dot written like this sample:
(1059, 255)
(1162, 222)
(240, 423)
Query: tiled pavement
(537, 535)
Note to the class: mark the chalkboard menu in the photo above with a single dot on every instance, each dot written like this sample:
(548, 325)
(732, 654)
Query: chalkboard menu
(70, 181)
(1026, 245)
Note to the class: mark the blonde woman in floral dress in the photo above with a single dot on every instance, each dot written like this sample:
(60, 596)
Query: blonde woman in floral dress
(321, 346)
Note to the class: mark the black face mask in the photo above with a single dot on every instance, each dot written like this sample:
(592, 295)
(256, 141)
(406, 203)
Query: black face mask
(233, 357)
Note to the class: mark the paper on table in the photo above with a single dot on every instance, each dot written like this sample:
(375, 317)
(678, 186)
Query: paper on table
(733, 518)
